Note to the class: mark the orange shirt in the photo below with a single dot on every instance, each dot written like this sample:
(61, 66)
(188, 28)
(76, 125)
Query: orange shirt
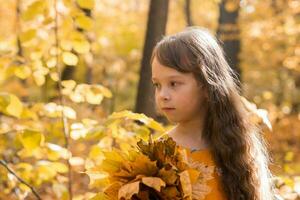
(214, 183)
(205, 157)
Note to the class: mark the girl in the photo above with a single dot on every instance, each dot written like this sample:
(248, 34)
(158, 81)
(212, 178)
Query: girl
(197, 90)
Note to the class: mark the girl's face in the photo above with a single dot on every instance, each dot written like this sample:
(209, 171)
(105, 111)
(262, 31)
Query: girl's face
(178, 96)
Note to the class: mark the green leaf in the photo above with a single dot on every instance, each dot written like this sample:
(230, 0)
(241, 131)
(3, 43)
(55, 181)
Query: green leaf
(31, 139)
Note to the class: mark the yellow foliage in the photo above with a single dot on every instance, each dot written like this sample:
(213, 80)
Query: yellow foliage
(34, 9)
(31, 139)
(151, 123)
(87, 4)
(81, 46)
(28, 35)
(69, 58)
(11, 105)
(84, 22)
(22, 71)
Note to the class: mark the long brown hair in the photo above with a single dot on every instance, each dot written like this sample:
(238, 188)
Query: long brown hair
(235, 142)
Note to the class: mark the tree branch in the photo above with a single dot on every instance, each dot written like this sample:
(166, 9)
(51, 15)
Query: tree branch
(4, 164)
(62, 103)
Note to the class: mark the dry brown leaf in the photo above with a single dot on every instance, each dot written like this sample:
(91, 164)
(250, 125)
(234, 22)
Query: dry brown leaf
(171, 193)
(200, 191)
(206, 171)
(185, 183)
(128, 190)
(143, 195)
(154, 182)
(169, 176)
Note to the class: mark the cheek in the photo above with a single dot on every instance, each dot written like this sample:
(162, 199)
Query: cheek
(157, 108)
(190, 100)
(156, 98)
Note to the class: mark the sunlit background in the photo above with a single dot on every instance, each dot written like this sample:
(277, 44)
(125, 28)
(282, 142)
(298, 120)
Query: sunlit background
(98, 48)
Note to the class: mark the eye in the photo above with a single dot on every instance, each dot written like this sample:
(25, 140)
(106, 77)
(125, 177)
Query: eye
(173, 84)
(155, 85)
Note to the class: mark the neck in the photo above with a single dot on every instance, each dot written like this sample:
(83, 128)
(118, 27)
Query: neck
(192, 130)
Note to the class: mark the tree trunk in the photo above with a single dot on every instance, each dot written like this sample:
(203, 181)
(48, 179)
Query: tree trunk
(156, 27)
(188, 14)
(228, 32)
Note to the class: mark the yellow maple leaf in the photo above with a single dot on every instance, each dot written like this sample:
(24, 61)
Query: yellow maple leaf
(142, 165)
(112, 190)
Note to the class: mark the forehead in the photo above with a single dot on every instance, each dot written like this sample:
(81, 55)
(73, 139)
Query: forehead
(160, 71)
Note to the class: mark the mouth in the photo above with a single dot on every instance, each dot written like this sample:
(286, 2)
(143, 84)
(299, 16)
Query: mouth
(168, 109)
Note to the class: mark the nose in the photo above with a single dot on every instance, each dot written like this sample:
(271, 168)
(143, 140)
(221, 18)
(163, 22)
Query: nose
(164, 95)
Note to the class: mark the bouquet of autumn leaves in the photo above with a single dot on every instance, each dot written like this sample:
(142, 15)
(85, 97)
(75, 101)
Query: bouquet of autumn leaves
(158, 170)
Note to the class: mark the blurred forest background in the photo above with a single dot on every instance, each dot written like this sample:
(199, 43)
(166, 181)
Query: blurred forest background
(75, 73)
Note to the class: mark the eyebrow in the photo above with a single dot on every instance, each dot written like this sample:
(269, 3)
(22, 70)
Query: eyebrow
(172, 76)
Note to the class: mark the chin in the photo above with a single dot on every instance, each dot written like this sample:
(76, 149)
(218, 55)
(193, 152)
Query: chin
(173, 120)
